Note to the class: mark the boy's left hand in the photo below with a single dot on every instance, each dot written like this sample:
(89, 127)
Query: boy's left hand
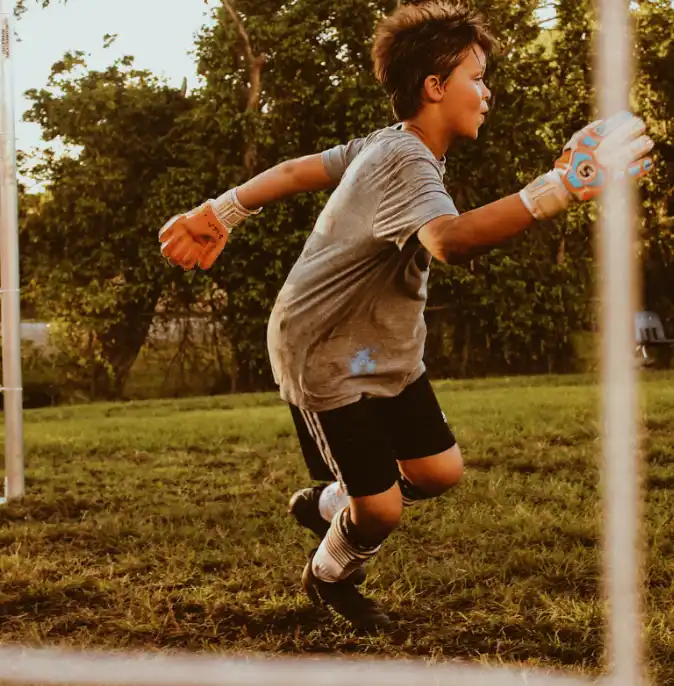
(614, 148)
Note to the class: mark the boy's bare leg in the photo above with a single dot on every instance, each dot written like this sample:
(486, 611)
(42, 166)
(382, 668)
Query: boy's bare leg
(355, 535)
(377, 516)
(430, 476)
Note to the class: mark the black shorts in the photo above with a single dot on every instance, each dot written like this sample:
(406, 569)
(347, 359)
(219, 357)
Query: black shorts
(359, 444)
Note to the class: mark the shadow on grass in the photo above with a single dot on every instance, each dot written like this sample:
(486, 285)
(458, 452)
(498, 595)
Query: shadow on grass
(67, 508)
(83, 614)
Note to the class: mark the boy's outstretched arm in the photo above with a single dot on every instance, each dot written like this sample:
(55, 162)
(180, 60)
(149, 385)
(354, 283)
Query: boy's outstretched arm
(616, 147)
(458, 239)
(301, 175)
(198, 237)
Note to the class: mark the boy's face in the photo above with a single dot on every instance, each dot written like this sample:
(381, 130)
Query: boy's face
(465, 97)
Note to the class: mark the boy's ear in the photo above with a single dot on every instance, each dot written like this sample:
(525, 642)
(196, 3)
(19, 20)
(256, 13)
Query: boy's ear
(433, 88)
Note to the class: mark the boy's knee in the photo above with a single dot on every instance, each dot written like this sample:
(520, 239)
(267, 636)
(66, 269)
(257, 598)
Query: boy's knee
(450, 472)
(435, 475)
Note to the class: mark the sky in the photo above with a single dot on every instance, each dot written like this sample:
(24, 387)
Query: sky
(159, 37)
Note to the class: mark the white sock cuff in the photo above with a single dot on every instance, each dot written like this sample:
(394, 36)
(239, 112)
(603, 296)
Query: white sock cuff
(336, 558)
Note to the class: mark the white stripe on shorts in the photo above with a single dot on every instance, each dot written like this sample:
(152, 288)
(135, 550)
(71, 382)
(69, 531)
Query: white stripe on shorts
(312, 422)
(316, 430)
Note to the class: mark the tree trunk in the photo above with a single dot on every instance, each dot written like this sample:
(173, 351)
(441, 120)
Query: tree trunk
(242, 378)
(561, 249)
(255, 65)
(121, 344)
(466, 350)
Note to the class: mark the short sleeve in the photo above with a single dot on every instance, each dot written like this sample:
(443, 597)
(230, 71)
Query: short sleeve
(415, 196)
(337, 159)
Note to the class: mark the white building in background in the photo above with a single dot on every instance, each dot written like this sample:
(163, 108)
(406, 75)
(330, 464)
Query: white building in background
(170, 331)
(35, 332)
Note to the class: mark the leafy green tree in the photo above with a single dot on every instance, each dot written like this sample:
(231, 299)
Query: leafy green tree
(515, 309)
(654, 24)
(90, 252)
(283, 79)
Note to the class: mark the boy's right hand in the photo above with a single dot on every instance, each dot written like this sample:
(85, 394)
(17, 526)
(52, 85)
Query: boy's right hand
(198, 237)
(603, 149)
(195, 237)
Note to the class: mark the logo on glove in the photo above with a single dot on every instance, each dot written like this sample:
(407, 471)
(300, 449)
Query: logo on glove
(586, 171)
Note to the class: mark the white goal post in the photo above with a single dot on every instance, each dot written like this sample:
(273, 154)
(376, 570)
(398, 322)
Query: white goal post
(9, 267)
(621, 490)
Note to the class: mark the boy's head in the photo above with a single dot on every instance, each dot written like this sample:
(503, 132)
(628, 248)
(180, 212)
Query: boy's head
(435, 52)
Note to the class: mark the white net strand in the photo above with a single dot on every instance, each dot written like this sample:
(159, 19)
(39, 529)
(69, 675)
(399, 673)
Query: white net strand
(617, 272)
(53, 666)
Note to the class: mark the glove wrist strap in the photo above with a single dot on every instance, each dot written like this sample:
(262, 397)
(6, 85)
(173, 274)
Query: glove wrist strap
(229, 210)
(545, 196)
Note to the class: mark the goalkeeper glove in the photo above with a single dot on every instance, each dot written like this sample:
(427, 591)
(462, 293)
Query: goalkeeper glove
(602, 150)
(198, 237)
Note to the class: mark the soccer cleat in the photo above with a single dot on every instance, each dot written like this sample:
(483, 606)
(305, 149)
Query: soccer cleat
(344, 599)
(303, 506)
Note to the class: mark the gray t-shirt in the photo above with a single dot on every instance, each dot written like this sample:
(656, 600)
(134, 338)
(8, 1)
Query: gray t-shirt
(349, 320)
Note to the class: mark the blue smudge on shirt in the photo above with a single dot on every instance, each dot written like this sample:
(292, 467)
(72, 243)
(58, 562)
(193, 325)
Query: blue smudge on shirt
(362, 362)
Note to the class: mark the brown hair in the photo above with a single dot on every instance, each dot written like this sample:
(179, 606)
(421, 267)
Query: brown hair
(422, 39)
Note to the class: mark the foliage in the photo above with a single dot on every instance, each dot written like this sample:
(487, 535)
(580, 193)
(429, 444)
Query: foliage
(89, 249)
(147, 151)
(304, 112)
(655, 91)
(514, 309)
(317, 92)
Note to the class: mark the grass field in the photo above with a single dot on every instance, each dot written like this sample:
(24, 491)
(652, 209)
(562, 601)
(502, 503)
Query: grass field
(162, 525)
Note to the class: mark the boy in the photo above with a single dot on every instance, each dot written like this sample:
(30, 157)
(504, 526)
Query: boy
(346, 335)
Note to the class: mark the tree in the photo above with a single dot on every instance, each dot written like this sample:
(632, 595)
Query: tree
(654, 90)
(515, 309)
(315, 90)
(284, 79)
(90, 254)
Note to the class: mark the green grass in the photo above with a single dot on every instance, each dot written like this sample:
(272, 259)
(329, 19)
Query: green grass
(162, 525)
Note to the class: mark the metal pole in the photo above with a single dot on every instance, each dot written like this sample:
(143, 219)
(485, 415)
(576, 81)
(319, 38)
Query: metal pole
(618, 278)
(9, 266)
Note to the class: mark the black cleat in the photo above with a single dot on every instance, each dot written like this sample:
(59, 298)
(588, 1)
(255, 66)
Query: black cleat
(344, 599)
(303, 506)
